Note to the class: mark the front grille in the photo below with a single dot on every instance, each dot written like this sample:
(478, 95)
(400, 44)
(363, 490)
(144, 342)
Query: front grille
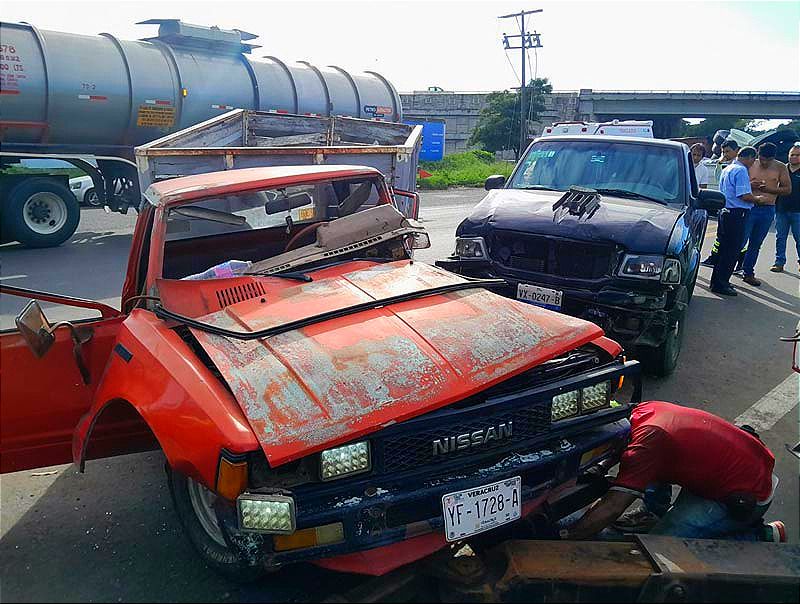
(551, 255)
(415, 450)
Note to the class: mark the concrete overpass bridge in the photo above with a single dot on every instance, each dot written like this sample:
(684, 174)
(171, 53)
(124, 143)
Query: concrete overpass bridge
(666, 108)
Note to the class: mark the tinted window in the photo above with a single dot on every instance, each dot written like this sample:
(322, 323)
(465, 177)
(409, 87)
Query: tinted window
(648, 170)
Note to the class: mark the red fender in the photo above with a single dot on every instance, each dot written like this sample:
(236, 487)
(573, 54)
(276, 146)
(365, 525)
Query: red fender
(190, 412)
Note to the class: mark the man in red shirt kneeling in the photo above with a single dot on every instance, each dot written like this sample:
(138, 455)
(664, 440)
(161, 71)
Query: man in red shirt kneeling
(725, 475)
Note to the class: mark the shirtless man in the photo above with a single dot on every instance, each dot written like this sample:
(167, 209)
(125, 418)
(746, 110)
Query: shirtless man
(769, 177)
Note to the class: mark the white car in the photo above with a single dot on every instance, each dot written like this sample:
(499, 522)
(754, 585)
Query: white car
(83, 189)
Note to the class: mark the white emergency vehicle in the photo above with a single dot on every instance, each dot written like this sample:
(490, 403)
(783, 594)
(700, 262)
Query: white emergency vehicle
(639, 128)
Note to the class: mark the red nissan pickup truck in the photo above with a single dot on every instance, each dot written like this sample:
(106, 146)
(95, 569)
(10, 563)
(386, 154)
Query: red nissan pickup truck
(317, 393)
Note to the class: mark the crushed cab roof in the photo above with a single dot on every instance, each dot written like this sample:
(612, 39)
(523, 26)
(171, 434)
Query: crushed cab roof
(187, 188)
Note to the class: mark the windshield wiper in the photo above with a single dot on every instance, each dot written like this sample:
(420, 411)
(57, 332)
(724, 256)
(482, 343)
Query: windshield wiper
(538, 188)
(628, 194)
(285, 275)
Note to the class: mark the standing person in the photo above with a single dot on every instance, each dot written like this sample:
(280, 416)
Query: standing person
(787, 213)
(729, 149)
(734, 184)
(771, 178)
(725, 473)
(700, 171)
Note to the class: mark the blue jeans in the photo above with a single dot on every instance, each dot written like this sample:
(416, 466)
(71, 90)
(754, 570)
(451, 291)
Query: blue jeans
(785, 221)
(693, 517)
(758, 222)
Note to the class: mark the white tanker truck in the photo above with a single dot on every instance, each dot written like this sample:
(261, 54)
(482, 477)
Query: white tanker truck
(89, 100)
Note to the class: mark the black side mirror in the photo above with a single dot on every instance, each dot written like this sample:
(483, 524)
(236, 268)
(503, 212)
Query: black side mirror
(713, 201)
(496, 181)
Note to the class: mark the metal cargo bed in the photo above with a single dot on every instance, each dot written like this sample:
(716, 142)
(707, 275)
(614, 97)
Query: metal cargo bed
(245, 139)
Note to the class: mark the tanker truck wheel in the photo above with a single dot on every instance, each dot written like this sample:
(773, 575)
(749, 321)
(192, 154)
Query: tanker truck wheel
(40, 212)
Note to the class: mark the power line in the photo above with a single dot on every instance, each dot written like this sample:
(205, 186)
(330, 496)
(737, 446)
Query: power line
(526, 41)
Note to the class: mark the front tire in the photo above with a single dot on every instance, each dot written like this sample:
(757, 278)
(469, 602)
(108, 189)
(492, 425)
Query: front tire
(194, 504)
(40, 212)
(662, 360)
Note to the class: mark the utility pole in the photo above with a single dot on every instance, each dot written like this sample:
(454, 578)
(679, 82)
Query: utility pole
(526, 40)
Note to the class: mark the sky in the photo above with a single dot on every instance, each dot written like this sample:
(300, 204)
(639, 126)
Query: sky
(456, 45)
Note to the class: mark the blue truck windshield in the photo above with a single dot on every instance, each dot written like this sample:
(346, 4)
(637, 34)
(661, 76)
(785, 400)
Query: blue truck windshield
(650, 171)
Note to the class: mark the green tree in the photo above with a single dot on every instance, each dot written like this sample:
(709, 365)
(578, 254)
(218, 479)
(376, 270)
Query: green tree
(710, 125)
(499, 122)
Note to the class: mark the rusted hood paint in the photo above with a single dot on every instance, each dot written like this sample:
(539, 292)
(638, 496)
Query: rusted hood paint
(332, 382)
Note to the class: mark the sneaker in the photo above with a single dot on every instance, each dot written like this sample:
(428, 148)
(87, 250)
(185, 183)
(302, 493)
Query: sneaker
(774, 532)
(776, 268)
(710, 261)
(751, 280)
(636, 521)
(739, 272)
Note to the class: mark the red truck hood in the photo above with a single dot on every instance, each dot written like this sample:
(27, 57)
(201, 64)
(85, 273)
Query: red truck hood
(331, 382)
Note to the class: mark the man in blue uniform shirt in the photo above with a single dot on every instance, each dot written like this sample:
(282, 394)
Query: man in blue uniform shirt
(734, 184)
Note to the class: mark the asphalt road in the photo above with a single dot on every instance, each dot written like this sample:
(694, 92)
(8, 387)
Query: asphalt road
(111, 535)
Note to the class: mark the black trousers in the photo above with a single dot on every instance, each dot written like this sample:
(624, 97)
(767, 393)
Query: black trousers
(731, 239)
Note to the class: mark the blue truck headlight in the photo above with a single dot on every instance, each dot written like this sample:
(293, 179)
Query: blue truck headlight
(471, 248)
(345, 460)
(641, 266)
(266, 513)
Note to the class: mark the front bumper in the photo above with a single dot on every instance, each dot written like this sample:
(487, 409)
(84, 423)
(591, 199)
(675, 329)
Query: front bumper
(633, 317)
(386, 512)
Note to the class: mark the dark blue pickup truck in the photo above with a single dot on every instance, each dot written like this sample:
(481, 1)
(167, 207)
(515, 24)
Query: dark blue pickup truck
(604, 228)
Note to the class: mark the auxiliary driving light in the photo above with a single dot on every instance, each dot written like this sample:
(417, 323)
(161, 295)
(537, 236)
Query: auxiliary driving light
(344, 461)
(266, 513)
(565, 405)
(595, 397)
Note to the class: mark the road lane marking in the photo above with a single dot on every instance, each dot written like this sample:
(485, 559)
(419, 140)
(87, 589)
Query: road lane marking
(772, 407)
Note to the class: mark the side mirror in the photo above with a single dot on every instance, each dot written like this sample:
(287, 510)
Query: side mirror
(420, 241)
(713, 201)
(495, 181)
(35, 328)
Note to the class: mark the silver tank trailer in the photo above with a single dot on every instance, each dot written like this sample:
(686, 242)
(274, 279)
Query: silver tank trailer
(67, 89)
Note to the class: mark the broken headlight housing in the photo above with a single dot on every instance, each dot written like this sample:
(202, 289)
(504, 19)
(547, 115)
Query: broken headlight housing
(471, 248)
(641, 266)
(345, 461)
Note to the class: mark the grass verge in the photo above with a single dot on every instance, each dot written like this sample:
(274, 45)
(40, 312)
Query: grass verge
(468, 169)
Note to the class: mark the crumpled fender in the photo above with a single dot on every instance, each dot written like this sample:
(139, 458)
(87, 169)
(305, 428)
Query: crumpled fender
(190, 412)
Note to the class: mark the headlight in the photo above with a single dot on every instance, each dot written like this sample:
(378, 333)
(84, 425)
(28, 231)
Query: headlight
(586, 400)
(565, 405)
(266, 513)
(471, 248)
(75, 185)
(595, 397)
(640, 266)
(344, 461)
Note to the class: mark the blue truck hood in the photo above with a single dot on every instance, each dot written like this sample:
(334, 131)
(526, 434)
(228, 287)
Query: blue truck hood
(637, 225)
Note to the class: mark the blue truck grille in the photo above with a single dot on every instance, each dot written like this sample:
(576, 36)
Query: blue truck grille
(415, 450)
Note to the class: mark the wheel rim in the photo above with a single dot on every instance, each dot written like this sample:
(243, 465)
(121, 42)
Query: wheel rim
(203, 504)
(45, 213)
(91, 198)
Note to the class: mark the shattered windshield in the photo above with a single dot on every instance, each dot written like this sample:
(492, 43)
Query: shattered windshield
(648, 171)
(254, 226)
